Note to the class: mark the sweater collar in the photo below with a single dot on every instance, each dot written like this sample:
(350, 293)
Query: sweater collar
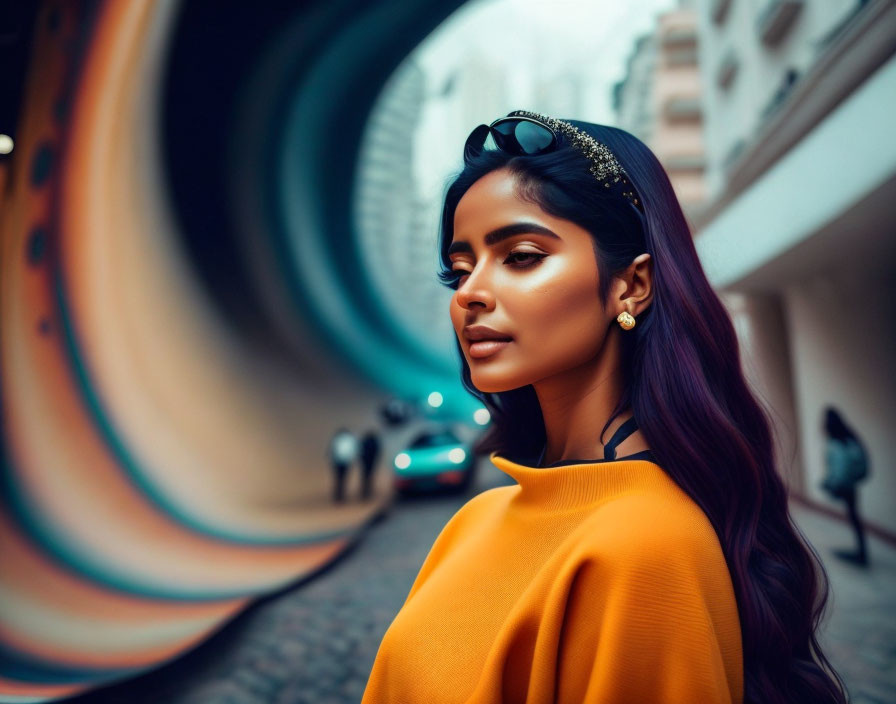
(580, 484)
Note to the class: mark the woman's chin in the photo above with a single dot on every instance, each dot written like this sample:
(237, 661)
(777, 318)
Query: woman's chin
(494, 383)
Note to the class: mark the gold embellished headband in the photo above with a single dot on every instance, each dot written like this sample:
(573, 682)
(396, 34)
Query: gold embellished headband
(604, 165)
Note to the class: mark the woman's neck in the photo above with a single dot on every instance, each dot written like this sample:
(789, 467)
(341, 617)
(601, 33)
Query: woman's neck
(576, 404)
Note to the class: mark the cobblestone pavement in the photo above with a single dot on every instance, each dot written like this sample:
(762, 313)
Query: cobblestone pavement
(858, 632)
(316, 643)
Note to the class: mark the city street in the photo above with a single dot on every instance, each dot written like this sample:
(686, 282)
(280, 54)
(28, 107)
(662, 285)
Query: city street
(316, 643)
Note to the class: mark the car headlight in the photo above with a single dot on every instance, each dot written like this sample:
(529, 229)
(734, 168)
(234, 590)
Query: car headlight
(457, 455)
(402, 460)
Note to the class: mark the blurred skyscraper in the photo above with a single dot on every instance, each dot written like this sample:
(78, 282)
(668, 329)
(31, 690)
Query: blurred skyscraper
(659, 101)
(633, 98)
(397, 232)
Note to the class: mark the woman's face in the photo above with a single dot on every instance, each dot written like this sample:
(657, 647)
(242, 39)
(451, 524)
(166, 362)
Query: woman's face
(537, 286)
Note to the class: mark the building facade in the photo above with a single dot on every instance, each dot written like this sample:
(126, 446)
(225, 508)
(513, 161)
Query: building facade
(798, 230)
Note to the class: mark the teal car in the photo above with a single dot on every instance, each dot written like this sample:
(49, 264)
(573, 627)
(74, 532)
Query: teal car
(435, 459)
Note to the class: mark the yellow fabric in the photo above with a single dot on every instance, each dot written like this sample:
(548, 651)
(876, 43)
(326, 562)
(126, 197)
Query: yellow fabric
(601, 582)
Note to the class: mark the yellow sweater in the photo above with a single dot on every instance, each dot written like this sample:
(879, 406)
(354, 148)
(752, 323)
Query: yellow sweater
(592, 582)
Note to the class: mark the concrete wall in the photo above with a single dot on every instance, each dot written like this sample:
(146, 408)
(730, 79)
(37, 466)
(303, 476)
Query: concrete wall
(765, 357)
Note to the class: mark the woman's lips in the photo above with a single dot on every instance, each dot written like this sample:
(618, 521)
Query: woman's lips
(486, 348)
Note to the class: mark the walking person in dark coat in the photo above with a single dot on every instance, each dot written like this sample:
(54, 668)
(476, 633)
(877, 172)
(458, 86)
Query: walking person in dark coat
(370, 450)
(847, 465)
(343, 451)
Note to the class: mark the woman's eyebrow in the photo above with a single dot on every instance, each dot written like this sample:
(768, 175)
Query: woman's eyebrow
(502, 233)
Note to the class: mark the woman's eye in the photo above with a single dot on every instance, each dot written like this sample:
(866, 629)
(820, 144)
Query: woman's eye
(531, 257)
(516, 260)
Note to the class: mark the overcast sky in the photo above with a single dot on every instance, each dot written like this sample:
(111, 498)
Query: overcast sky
(544, 35)
(531, 38)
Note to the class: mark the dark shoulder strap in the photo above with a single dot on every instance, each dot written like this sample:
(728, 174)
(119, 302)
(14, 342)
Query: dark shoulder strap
(622, 432)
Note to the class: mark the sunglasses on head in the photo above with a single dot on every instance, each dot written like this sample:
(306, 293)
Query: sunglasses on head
(525, 133)
(522, 136)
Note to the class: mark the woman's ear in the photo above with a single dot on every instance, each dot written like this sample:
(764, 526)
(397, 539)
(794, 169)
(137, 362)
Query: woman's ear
(633, 288)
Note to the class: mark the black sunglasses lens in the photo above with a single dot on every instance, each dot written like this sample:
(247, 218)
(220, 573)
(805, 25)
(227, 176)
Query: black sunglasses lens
(522, 137)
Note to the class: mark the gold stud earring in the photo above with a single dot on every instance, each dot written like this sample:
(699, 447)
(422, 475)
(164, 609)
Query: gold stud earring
(626, 320)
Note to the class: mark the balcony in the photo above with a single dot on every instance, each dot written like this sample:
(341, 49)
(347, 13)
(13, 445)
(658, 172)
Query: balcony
(718, 10)
(791, 76)
(684, 163)
(676, 37)
(733, 153)
(727, 70)
(683, 109)
(776, 19)
(682, 57)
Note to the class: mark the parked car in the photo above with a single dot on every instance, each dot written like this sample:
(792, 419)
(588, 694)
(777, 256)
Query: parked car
(435, 459)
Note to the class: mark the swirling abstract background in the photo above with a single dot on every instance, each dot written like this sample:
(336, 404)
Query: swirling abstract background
(184, 319)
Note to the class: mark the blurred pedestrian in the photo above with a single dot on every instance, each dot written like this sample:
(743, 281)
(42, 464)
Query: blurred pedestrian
(343, 451)
(846, 465)
(370, 450)
(396, 412)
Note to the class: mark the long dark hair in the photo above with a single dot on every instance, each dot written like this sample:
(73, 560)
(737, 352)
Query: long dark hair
(684, 384)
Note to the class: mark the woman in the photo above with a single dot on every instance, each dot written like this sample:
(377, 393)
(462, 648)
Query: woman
(645, 552)
(847, 464)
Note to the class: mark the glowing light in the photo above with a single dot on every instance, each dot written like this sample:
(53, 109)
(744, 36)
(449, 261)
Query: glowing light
(435, 399)
(482, 416)
(457, 455)
(402, 460)
(6, 144)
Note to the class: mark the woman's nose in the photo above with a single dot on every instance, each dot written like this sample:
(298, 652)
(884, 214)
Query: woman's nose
(475, 290)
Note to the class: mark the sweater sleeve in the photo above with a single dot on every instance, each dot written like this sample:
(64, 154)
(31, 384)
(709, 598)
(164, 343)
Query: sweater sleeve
(650, 618)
